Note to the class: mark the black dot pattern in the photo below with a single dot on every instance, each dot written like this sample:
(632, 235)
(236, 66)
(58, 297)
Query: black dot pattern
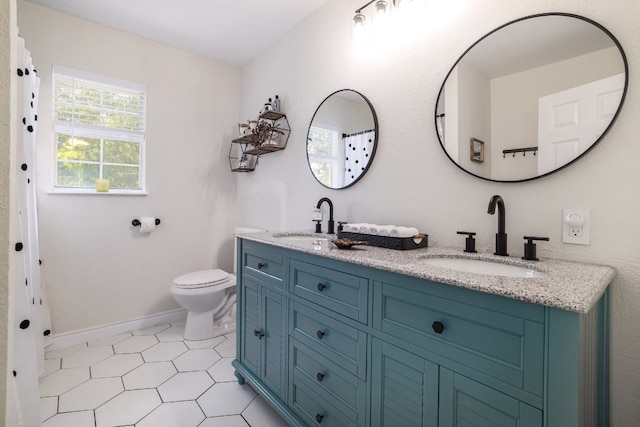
(25, 324)
(19, 246)
(358, 150)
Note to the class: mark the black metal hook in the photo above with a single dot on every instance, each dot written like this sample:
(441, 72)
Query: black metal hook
(136, 222)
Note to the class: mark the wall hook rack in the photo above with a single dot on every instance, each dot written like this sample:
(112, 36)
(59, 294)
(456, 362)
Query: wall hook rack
(519, 150)
(136, 222)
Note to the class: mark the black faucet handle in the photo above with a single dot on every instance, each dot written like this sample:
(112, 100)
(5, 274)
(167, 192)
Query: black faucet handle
(530, 247)
(318, 225)
(470, 241)
(341, 225)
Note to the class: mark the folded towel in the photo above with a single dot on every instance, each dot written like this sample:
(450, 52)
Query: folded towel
(403, 232)
(381, 230)
(364, 228)
(351, 228)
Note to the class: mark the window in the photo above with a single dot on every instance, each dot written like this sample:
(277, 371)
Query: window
(99, 126)
(323, 150)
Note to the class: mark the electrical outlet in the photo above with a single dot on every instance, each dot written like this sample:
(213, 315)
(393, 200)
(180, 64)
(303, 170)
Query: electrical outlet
(575, 226)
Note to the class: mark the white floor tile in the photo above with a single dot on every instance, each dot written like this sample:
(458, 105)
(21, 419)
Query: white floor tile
(48, 407)
(152, 330)
(182, 414)
(75, 419)
(259, 413)
(164, 351)
(62, 352)
(228, 347)
(196, 360)
(87, 357)
(51, 365)
(90, 394)
(110, 340)
(174, 333)
(63, 380)
(135, 344)
(226, 399)
(185, 386)
(226, 421)
(222, 371)
(116, 366)
(204, 343)
(149, 375)
(127, 408)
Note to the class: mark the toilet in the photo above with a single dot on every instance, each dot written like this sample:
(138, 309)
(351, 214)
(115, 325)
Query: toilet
(209, 296)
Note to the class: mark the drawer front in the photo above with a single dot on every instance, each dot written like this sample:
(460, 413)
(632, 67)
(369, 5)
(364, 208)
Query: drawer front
(264, 264)
(343, 293)
(309, 403)
(343, 344)
(500, 344)
(329, 378)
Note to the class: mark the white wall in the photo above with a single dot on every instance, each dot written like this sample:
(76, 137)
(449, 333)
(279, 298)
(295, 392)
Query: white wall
(98, 268)
(412, 182)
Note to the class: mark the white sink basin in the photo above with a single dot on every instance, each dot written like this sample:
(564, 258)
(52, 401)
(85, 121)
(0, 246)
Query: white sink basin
(482, 267)
(300, 237)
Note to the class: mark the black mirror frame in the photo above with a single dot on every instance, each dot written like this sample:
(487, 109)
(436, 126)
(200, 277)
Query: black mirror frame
(375, 142)
(570, 15)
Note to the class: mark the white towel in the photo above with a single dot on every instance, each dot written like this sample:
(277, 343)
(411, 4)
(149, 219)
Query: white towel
(351, 228)
(364, 228)
(385, 230)
(403, 232)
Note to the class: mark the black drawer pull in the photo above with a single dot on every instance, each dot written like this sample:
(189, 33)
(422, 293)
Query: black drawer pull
(438, 327)
(261, 266)
(258, 334)
(321, 287)
(320, 334)
(319, 418)
(319, 377)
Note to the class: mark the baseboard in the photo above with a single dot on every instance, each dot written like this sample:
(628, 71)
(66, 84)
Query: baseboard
(68, 339)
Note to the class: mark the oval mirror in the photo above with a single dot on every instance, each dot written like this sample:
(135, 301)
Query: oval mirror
(342, 139)
(531, 97)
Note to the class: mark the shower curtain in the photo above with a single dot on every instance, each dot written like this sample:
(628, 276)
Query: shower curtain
(358, 149)
(32, 321)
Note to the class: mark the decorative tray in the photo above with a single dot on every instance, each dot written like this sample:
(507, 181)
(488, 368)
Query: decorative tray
(399, 243)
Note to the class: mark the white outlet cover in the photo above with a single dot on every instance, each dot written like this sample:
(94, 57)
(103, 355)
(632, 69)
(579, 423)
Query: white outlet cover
(575, 226)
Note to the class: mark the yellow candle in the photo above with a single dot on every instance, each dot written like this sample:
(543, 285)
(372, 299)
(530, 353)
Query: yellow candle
(102, 185)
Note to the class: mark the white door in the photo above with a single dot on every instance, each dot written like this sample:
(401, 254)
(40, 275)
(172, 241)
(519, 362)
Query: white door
(570, 121)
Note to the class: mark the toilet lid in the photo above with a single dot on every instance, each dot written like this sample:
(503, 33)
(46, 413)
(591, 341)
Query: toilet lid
(201, 278)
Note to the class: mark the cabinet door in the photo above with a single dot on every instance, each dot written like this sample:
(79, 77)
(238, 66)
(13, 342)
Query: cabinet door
(404, 388)
(467, 403)
(263, 334)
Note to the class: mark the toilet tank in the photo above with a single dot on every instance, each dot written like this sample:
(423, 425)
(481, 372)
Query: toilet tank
(242, 230)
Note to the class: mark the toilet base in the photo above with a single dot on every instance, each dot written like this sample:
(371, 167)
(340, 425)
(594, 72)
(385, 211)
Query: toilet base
(201, 326)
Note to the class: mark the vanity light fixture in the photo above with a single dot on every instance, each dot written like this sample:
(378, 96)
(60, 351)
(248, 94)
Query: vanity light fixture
(381, 11)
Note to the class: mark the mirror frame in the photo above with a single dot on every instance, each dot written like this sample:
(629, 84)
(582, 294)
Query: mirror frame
(539, 15)
(375, 142)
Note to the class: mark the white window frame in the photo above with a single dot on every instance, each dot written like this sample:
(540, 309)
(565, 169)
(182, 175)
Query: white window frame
(99, 132)
(335, 160)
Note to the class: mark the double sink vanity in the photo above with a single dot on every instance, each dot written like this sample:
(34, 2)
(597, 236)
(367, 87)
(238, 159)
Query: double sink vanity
(427, 337)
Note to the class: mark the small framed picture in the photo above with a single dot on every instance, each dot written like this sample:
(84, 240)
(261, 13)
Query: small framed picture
(477, 150)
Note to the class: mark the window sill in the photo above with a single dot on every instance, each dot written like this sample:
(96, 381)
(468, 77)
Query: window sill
(92, 191)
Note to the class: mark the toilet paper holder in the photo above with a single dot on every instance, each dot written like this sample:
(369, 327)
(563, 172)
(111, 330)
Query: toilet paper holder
(136, 222)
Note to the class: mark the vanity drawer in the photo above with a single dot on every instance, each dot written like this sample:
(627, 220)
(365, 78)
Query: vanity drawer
(343, 293)
(326, 376)
(310, 404)
(263, 263)
(341, 343)
(503, 339)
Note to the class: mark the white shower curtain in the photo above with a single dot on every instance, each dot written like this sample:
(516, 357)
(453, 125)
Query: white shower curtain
(31, 314)
(358, 149)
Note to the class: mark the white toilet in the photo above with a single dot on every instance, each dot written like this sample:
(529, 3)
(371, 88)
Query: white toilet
(209, 296)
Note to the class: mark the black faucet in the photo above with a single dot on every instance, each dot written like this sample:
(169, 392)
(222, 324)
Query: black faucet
(330, 223)
(501, 236)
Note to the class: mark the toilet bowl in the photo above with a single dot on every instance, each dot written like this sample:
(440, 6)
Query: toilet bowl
(209, 296)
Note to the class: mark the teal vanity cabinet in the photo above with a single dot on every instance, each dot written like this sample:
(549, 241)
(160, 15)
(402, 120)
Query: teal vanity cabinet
(333, 342)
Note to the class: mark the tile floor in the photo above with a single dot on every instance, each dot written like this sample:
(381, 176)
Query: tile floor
(149, 378)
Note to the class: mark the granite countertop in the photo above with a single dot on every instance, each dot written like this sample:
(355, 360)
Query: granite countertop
(568, 285)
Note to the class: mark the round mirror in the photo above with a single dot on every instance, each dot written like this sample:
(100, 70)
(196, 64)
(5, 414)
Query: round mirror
(531, 97)
(342, 139)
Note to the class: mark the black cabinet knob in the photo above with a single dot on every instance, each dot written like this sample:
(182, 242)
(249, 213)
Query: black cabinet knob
(320, 334)
(438, 327)
(258, 334)
(321, 287)
(260, 266)
(319, 418)
(319, 377)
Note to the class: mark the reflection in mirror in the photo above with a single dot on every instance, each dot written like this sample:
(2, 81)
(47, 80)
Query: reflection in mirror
(539, 92)
(342, 139)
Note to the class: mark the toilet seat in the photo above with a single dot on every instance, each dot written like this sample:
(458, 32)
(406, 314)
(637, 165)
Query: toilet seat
(202, 279)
